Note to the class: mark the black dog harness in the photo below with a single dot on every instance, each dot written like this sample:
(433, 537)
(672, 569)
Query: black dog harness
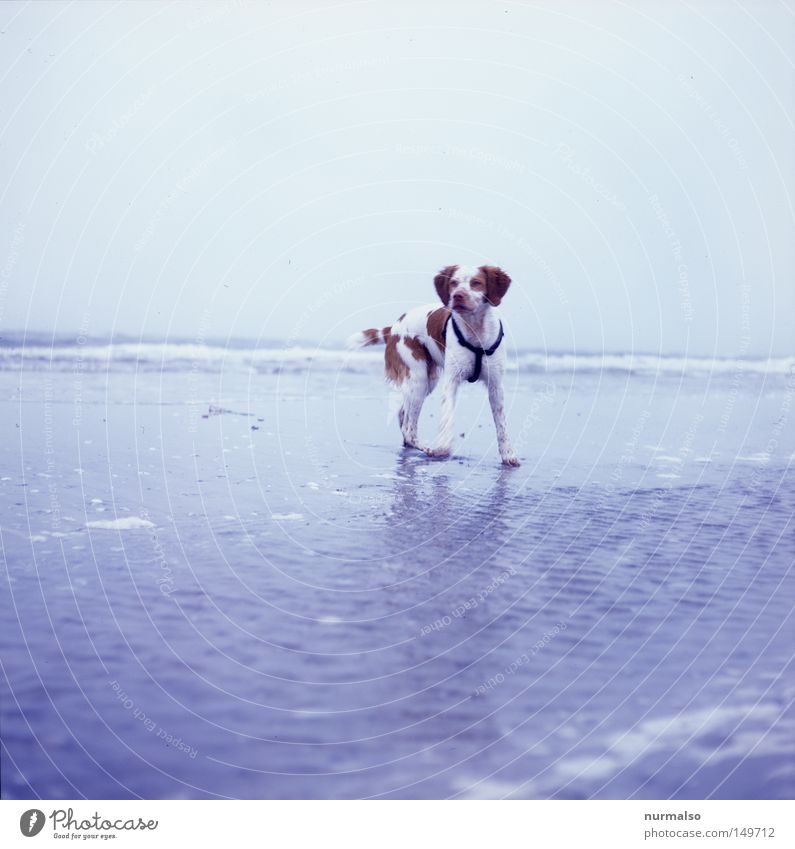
(478, 352)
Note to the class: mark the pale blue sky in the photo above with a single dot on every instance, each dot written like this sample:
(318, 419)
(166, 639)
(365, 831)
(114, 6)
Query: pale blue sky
(298, 171)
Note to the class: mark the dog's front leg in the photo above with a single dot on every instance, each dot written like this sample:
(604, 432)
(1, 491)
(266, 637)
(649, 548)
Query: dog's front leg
(496, 399)
(444, 439)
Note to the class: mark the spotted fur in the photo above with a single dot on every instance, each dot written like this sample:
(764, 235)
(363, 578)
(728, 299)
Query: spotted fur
(419, 353)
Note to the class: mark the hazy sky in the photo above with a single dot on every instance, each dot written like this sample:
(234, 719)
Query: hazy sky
(298, 171)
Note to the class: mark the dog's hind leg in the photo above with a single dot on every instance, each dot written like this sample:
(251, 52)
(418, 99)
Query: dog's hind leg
(415, 391)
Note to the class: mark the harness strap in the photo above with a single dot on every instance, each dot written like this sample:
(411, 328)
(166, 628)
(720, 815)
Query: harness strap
(478, 352)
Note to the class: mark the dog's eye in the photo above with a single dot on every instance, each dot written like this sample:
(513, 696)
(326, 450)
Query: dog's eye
(477, 284)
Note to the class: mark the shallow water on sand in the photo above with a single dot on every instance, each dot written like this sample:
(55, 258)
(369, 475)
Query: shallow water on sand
(301, 609)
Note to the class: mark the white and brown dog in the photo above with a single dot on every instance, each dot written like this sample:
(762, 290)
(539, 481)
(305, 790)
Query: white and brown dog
(461, 340)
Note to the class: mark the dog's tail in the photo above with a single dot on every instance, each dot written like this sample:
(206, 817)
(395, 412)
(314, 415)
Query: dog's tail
(371, 336)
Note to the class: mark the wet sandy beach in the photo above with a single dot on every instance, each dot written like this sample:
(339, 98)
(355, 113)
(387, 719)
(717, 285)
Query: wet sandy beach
(276, 601)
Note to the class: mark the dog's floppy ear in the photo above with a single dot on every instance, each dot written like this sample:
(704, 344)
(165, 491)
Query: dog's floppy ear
(442, 283)
(497, 283)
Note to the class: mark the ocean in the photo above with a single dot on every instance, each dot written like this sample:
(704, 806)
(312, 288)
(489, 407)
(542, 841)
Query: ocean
(224, 578)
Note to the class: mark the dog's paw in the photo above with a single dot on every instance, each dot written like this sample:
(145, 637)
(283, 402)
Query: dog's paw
(511, 460)
(438, 451)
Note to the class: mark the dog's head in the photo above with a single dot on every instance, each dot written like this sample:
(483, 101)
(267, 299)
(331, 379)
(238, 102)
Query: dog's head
(470, 290)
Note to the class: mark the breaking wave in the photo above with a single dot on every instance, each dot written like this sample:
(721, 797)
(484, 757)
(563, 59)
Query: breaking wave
(272, 358)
